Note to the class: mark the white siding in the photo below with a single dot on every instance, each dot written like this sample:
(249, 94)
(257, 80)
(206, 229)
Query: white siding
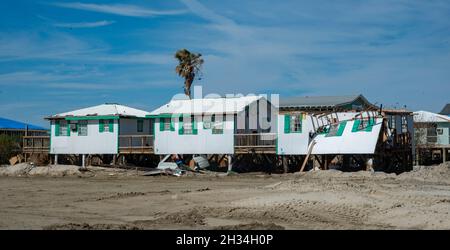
(360, 142)
(293, 143)
(205, 142)
(94, 143)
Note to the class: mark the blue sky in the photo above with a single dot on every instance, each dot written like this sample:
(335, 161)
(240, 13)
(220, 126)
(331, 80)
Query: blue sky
(56, 56)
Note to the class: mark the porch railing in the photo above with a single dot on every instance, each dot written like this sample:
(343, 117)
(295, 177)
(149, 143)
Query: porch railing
(36, 144)
(255, 140)
(136, 143)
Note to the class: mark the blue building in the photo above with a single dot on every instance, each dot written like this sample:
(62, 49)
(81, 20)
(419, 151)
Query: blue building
(11, 127)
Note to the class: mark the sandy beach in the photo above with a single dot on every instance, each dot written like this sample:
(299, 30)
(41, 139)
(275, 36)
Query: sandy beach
(121, 199)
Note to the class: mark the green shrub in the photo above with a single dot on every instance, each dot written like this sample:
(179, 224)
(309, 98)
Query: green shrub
(9, 146)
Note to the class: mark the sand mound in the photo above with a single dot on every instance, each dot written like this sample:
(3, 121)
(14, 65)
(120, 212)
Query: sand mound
(251, 226)
(436, 173)
(27, 169)
(332, 173)
(192, 217)
(86, 226)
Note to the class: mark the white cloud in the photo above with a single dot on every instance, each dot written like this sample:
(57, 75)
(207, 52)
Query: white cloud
(118, 9)
(378, 48)
(58, 46)
(84, 24)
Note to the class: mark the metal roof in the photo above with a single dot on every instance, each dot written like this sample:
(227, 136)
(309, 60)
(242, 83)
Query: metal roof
(206, 106)
(15, 125)
(446, 110)
(107, 109)
(320, 101)
(425, 116)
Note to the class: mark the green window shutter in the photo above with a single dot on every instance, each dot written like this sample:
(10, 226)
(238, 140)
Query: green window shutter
(301, 123)
(194, 126)
(180, 128)
(370, 125)
(111, 125)
(101, 125)
(172, 124)
(356, 125)
(161, 124)
(341, 128)
(68, 128)
(56, 128)
(287, 124)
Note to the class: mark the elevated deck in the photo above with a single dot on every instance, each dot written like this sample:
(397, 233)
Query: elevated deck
(264, 143)
(136, 144)
(36, 144)
(128, 144)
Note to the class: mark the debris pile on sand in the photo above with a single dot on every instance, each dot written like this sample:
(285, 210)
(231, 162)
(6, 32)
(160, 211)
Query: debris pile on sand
(27, 169)
(20, 169)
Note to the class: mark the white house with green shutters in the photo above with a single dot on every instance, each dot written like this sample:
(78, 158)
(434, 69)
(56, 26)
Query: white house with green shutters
(96, 130)
(212, 125)
(342, 133)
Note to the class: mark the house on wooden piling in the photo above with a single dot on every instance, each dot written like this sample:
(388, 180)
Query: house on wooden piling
(215, 126)
(104, 129)
(432, 133)
(348, 127)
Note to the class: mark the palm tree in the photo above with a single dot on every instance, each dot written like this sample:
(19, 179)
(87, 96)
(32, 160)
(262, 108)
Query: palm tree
(188, 67)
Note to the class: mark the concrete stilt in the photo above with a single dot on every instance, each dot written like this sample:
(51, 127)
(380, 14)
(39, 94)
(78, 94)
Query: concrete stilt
(56, 159)
(83, 161)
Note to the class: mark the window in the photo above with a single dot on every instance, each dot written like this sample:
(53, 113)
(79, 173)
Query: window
(165, 124)
(440, 131)
(404, 124)
(293, 123)
(337, 129)
(333, 130)
(217, 126)
(106, 126)
(64, 129)
(73, 127)
(432, 131)
(82, 128)
(432, 135)
(363, 125)
(391, 122)
(140, 125)
(187, 126)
